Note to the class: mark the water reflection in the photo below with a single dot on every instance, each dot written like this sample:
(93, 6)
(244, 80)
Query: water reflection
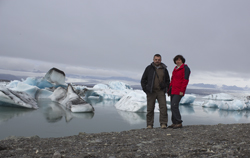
(132, 117)
(237, 115)
(209, 110)
(97, 101)
(7, 113)
(186, 109)
(54, 112)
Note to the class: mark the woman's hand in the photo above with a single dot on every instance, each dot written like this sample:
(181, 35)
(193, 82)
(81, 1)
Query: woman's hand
(181, 93)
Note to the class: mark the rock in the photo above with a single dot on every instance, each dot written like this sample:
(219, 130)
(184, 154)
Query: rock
(57, 155)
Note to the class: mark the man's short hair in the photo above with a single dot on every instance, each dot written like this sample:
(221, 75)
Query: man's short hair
(179, 57)
(157, 55)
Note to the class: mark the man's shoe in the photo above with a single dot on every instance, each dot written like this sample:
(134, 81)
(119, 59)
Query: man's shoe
(149, 127)
(163, 126)
(177, 126)
(171, 126)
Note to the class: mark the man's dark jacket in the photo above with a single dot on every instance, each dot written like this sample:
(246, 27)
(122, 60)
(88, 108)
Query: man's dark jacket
(148, 78)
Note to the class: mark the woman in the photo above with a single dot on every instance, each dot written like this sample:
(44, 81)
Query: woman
(178, 84)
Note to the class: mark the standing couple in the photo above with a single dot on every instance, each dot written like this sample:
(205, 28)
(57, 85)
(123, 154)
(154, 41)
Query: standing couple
(156, 83)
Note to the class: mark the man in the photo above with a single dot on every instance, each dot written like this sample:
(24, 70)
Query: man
(155, 82)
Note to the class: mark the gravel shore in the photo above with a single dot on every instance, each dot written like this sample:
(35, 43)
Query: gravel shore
(222, 140)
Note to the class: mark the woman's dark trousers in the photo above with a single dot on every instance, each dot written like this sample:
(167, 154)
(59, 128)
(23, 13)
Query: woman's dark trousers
(176, 116)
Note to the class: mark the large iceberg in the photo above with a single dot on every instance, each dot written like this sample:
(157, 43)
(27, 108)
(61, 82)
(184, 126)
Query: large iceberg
(53, 78)
(33, 91)
(136, 101)
(16, 98)
(114, 90)
(71, 100)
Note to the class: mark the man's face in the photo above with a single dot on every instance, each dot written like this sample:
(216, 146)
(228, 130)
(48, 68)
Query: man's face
(157, 60)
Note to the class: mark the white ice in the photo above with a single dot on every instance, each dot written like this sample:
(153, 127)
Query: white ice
(188, 99)
(220, 96)
(225, 101)
(71, 100)
(33, 91)
(113, 90)
(136, 101)
(232, 105)
(55, 76)
(16, 98)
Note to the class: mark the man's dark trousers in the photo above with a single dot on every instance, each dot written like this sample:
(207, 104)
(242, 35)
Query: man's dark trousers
(161, 98)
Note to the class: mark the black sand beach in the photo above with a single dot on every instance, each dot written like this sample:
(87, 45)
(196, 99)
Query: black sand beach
(222, 140)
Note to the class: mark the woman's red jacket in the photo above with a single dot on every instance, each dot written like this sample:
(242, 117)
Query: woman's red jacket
(179, 79)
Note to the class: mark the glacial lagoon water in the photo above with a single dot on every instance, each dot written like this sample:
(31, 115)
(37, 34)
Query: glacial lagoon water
(52, 120)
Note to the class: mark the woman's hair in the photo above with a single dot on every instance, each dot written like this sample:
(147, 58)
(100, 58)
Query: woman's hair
(179, 57)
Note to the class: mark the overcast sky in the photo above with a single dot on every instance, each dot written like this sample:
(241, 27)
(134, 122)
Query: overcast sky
(120, 37)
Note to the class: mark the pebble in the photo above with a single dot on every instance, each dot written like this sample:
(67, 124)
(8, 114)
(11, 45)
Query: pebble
(223, 140)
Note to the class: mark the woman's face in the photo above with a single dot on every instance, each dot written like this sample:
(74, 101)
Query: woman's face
(178, 62)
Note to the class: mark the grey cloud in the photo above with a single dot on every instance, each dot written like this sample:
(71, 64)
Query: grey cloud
(124, 35)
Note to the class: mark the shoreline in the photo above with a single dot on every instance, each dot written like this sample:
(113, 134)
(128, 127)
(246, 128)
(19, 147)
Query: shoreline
(222, 140)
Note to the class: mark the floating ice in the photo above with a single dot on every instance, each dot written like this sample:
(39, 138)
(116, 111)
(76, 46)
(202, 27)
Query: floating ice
(71, 100)
(101, 86)
(188, 99)
(118, 85)
(220, 96)
(114, 90)
(225, 101)
(232, 105)
(17, 99)
(210, 104)
(33, 91)
(55, 76)
(135, 101)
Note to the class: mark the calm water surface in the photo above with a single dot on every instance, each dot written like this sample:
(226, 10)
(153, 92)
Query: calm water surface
(52, 120)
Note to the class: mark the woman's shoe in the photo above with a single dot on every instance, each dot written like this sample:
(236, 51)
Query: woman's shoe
(177, 126)
(171, 126)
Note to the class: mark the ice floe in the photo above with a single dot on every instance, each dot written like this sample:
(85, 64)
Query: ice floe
(220, 96)
(71, 100)
(16, 98)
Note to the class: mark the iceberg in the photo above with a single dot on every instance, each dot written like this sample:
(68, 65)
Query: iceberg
(9, 97)
(71, 100)
(135, 101)
(118, 85)
(188, 99)
(210, 104)
(225, 101)
(232, 105)
(114, 90)
(53, 78)
(220, 96)
(33, 91)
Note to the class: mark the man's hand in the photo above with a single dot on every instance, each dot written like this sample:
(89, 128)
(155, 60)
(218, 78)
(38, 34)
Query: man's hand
(181, 93)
